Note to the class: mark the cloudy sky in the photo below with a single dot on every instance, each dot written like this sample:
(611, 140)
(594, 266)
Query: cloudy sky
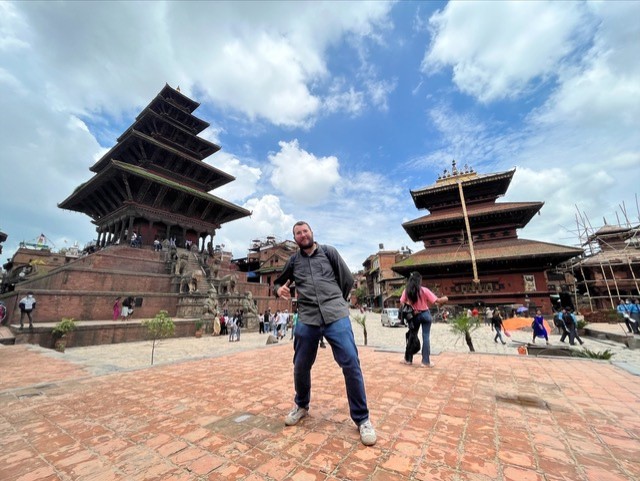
(329, 112)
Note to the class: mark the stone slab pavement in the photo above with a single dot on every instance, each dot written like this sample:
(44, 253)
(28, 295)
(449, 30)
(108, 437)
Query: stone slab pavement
(219, 415)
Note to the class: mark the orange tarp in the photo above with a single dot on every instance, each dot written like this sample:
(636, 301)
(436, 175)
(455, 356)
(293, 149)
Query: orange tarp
(514, 323)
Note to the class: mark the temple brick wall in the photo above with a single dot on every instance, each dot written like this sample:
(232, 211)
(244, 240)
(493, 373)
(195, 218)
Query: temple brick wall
(86, 288)
(52, 306)
(513, 290)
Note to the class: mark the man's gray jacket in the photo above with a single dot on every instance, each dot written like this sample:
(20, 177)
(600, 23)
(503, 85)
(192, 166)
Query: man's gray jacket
(323, 283)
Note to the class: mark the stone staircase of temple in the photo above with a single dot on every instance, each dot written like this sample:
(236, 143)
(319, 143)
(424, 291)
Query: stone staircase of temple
(6, 336)
(85, 289)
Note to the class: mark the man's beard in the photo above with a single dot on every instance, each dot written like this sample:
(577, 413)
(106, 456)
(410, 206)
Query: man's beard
(308, 245)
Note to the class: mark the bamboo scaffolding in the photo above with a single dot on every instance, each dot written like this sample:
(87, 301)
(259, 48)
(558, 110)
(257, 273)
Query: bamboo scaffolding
(601, 246)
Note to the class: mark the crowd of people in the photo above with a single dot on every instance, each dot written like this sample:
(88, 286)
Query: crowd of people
(278, 324)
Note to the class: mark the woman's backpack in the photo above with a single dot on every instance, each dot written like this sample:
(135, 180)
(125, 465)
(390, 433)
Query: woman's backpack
(406, 314)
(413, 343)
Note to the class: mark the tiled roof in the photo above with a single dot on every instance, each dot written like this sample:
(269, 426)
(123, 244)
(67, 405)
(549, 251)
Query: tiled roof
(620, 256)
(474, 211)
(488, 251)
(478, 179)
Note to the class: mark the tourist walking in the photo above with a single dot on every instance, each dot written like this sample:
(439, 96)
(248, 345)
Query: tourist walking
(496, 323)
(488, 314)
(239, 323)
(420, 299)
(27, 305)
(116, 309)
(635, 315)
(323, 284)
(538, 327)
(232, 326)
(261, 322)
(571, 327)
(283, 319)
(625, 310)
(223, 325)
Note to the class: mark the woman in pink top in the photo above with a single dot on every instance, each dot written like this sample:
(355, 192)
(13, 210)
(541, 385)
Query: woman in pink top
(421, 299)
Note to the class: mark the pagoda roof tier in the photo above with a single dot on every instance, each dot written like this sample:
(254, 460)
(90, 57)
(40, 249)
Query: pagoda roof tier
(121, 184)
(486, 217)
(162, 106)
(173, 134)
(178, 99)
(142, 150)
(499, 256)
(477, 188)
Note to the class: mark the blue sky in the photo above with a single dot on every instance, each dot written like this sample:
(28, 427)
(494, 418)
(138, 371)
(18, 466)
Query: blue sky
(329, 112)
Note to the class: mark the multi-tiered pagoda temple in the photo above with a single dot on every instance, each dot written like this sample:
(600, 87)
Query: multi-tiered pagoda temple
(472, 252)
(154, 181)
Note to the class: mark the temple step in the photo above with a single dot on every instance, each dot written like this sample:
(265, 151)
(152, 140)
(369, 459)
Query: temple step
(6, 336)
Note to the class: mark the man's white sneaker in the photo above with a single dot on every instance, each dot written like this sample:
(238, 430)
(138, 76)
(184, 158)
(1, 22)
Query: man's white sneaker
(367, 433)
(295, 416)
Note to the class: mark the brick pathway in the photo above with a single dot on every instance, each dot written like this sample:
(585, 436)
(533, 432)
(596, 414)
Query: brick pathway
(475, 417)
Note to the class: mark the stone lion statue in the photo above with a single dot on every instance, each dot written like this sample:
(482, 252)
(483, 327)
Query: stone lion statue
(211, 302)
(215, 266)
(248, 306)
(181, 264)
(190, 281)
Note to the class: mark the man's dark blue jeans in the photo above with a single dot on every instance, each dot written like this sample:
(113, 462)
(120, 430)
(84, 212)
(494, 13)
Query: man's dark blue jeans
(339, 335)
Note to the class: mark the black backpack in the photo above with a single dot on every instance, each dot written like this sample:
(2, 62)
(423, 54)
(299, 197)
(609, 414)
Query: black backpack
(413, 343)
(406, 314)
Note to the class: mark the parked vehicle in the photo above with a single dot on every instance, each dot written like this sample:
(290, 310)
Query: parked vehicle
(390, 317)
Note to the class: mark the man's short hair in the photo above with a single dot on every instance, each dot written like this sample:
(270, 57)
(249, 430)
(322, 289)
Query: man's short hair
(300, 222)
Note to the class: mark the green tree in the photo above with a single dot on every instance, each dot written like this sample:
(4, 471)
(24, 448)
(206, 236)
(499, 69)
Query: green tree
(361, 295)
(159, 327)
(464, 326)
(361, 319)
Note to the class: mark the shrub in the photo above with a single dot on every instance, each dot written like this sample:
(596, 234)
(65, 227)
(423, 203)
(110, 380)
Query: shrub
(65, 326)
(159, 327)
(361, 319)
(588, 353)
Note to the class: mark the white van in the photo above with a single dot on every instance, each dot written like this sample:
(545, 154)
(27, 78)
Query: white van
(389, 317)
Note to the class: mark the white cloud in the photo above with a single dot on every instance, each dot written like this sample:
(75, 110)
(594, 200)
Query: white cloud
(301, 176)
(246, 177)
(348, 101)
(267, 219)
(68, 64)
(501, 49)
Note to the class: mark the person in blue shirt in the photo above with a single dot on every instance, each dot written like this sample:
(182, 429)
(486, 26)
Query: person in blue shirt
(625, 309)
(571, 323)
(634, 314)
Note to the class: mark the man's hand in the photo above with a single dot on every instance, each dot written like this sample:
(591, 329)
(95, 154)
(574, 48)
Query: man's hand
(284, 292)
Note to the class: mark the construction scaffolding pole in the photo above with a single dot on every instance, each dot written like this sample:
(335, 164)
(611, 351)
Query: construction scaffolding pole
(476, 281)
(587, 288)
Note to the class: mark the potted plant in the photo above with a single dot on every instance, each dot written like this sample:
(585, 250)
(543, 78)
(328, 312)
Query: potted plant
(199, 325)
(60, 331)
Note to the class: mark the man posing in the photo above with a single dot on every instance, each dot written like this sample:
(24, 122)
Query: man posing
(27, 304)
(323, 283)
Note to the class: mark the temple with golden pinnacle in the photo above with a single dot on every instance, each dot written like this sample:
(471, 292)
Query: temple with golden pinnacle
(472, 252)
